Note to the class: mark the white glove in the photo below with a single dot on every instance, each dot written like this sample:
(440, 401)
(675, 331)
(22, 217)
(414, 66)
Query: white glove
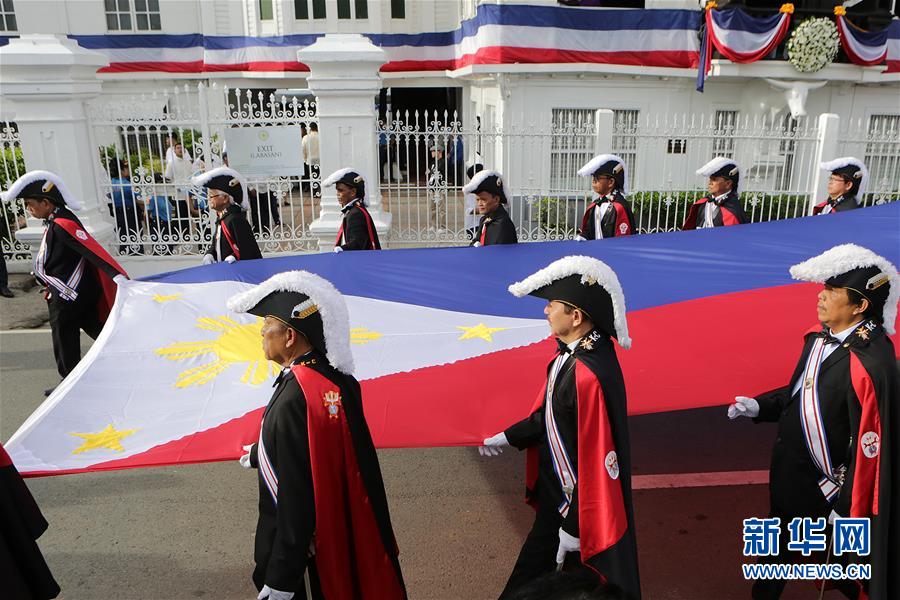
(476, 244)
(579, 238)
(567, 544)
(120, 279)
(208, 259)
(337, 249)
(493, 446)
(245, 459)
(230, 258)
(271, 594)
(743, 407)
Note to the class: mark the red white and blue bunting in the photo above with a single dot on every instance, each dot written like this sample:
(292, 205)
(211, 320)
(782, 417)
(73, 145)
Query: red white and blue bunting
(739, 37)
(869, 48)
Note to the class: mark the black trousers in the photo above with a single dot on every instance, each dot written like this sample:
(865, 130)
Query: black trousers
(67, 319)
(4, 274)
(538, 554)
(259, 576)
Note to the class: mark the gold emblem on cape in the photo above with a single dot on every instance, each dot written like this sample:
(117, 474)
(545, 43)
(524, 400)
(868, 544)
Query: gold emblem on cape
(862, 332)
(332, 403)
(586, 344)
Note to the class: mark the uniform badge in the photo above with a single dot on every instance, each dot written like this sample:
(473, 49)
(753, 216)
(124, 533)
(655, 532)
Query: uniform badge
(623, 228)
(586, 344)
(332, 403)
(80, 234)
(612, 464)
(862, 332)
(808, 383)
(871, 444)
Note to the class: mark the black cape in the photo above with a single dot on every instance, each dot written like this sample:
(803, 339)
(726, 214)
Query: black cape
(284, 532)
(495, 228)
(23, 571)
(866, 353)
(234, 219)
(730, 213)
(357, 229)
(610, 219)
(840, 205)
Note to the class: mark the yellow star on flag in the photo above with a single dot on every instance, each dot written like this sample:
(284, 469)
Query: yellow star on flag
(361, 335)
(480, 331)
(160, 298)
(109, 438)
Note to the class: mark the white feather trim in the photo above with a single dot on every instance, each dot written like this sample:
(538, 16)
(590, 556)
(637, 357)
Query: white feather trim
(581, 265)
(847, 257)
(845, 161)
(202, 179)
(332, 308)
(716, 164)
(593, 164)
(478, 178)
(336, 176)
(31, 176)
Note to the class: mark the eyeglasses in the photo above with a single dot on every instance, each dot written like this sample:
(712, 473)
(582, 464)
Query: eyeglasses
(837, 179)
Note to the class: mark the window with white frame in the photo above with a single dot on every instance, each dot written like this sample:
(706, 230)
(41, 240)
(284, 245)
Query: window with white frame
(883, 156)
(352, 9)
(571, 146)
(624, 141)
(132, 15)
(724, 127)
(7, 16)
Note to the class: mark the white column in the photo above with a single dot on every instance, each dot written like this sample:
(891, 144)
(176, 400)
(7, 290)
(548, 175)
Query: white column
(603, 131)
(345, 79)
(826, 149)
(47, 79)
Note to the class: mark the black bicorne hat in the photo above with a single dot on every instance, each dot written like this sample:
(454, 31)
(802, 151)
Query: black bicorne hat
(295, 310)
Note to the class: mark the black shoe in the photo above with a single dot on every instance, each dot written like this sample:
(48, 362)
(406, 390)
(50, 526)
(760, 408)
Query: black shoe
(6, 292)
(49, 391)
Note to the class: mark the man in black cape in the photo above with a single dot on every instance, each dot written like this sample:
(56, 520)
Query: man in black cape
(228, 195)
(836, 454)
(579, 458)
(846, 184)
(722, 206)
(609, 214)
(322, 505)
(357, 231)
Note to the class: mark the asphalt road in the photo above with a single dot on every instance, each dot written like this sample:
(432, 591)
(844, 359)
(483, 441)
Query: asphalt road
(187, 531)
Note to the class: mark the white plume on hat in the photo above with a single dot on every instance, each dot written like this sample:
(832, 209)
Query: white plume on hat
(846, 257)
(592, 165)
(202, 179)
(331, 303)
(339, 174)
(717, 163)
(587, 267)
(479, 178)
(30, 177)
(846, 161)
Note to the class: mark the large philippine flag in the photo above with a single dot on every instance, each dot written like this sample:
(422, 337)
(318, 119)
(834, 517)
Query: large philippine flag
(445, 354)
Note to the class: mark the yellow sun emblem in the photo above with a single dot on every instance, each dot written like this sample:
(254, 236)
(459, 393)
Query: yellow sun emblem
(239, 343)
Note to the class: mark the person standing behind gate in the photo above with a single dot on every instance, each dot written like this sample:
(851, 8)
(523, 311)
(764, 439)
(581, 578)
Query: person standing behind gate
(357, 230)
(722, 207)
(609, 214)
(233, 238)
(845, 185)
(495, 226)
(79, 274)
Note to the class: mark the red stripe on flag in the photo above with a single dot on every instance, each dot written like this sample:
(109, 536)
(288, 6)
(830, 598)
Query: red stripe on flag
(761, 330)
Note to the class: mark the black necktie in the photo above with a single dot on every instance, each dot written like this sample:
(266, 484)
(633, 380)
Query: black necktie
(562, 347)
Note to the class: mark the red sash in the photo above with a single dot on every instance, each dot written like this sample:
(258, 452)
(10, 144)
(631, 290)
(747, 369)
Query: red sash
(369, 225)
(107, 285)
(234, 248)
(350, 559)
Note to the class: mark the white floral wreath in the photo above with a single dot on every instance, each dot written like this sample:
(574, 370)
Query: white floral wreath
(813, 44)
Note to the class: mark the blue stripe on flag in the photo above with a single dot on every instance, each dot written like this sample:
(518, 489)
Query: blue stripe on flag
(654, 270)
